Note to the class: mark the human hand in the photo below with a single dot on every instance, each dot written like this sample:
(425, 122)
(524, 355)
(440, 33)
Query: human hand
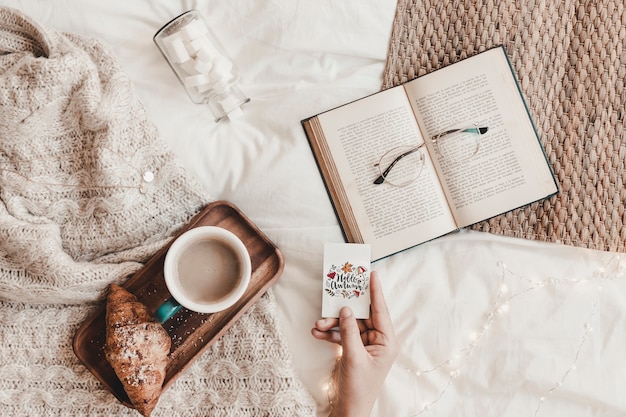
(369, 349)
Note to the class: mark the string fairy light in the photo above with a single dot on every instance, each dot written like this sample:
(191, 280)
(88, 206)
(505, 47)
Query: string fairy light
(497, 308)
(500, 307)
(587, 329)
(330, 386)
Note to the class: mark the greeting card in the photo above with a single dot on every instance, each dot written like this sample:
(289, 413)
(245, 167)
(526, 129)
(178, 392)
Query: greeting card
(346, 279)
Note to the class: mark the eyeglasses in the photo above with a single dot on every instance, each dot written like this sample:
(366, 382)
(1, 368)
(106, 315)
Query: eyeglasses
(402, 165)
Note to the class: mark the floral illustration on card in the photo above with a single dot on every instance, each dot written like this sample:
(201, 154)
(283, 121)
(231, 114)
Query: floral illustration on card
(346, 281)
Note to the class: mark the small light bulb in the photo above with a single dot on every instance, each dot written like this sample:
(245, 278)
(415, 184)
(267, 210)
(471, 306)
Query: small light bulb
(503, 309)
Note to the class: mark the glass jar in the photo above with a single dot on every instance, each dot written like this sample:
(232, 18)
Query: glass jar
(201, 64)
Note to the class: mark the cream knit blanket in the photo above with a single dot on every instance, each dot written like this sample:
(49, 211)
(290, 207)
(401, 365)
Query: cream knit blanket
(87, 193)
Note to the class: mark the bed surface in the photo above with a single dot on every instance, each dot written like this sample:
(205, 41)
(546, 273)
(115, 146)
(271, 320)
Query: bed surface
(488, 325)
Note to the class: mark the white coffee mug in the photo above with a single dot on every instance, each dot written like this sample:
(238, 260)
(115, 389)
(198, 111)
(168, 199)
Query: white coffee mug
(207, 269)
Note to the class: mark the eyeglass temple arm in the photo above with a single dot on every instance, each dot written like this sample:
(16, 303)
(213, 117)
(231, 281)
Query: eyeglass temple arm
(478, 130)
(382, 176)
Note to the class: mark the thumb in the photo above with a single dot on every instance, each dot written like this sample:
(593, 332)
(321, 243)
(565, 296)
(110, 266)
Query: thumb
(349, 330)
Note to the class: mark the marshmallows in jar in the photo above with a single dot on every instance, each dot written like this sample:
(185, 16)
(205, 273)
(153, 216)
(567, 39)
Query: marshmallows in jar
(201, 65)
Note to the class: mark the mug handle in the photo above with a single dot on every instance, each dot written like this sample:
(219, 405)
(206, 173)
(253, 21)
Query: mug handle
(167, 310)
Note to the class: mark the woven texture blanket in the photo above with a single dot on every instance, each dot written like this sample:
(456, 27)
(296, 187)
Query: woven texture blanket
(88, 192)
(570, 59)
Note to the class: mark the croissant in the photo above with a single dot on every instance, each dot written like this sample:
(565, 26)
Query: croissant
(136, 347)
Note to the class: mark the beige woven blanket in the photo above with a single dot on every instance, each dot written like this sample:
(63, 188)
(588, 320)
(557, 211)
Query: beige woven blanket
(570, 59)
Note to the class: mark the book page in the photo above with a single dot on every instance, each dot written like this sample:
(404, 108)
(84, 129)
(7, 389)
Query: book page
(389, 218)
(509, 169)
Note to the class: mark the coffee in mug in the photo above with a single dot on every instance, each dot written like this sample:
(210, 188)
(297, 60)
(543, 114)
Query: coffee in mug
(207, 269)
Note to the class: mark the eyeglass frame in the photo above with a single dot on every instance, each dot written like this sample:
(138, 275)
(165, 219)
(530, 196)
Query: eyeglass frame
(477, 129)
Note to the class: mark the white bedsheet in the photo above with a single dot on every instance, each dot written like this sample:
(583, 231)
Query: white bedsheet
(489, 326)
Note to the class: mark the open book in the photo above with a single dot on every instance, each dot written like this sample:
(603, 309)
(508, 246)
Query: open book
(507, 169)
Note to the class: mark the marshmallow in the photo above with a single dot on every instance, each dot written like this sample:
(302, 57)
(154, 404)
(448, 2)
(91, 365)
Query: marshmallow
(228, 103)
(202, 67)
(200, 43)
(193, 30)
(235, 114)
(189, 67)
(176, 48)
(196, 80)
(220, 85)
(205, 50)
(222, 70)
(203, 88)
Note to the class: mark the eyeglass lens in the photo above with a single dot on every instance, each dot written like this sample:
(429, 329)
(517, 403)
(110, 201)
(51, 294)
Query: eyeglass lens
(407, 163)
(459, 145)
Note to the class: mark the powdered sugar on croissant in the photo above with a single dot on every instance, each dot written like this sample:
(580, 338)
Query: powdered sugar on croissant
(136, 347)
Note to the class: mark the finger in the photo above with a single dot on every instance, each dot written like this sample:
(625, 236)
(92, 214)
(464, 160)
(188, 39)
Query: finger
(326, 324)
(349, 330)
(332, 336)
(363, 326)
(380, 317)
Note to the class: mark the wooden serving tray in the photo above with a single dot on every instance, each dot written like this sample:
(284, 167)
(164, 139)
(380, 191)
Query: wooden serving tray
(192, 333)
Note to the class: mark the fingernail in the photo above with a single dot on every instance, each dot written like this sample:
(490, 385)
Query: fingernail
(345, 313)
